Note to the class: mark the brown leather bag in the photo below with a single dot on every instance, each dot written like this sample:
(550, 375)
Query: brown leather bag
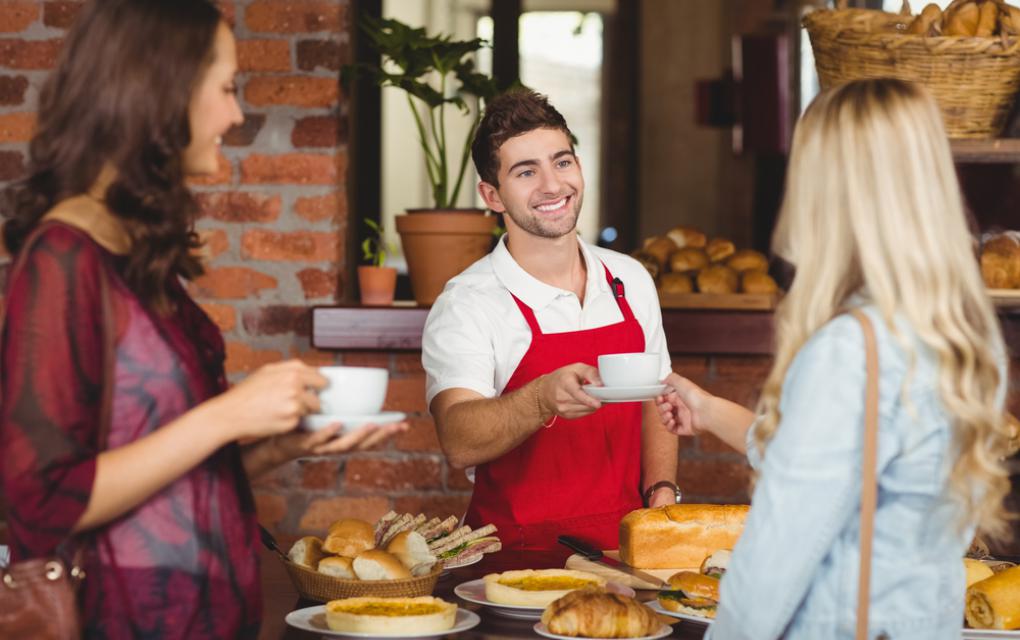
(38, 597)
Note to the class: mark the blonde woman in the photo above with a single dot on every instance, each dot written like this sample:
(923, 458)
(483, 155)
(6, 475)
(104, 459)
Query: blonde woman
(872, 219)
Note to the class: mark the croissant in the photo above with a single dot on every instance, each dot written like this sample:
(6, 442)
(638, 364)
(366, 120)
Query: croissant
(592, 613)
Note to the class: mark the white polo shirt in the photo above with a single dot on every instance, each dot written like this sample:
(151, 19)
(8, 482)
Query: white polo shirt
(475, 335)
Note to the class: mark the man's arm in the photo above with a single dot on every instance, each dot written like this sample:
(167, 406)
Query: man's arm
(658, 455)
(473, 429)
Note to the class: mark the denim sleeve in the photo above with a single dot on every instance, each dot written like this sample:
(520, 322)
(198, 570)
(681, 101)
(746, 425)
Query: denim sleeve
(807, 491)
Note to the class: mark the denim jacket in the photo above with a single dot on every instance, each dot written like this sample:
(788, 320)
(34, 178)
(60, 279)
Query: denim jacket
(794, 570)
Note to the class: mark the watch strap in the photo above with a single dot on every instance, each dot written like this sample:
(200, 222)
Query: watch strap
(662, 484)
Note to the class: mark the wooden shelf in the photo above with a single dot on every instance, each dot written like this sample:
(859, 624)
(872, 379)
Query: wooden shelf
(999, 150)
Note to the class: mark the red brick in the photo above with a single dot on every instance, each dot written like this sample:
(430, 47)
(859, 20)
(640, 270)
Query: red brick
(272, 508)
(296, 246)
(224, 315)
(751, 368)
(323, 512)
(224, 173)
(377, 359)
(319, 474)
(29, 54)
(420, 437)
(315, 131)
(277, 320)
(433, 505)
(743, 392)
(60, 15)
(233, 283)
(263, 55)
(326, 54)
(12, 90)
(241, 206)
(294, 16)
(314, 357)
(713, 478)
(318, 208)
(711, 444)
(293, 168)
(318, 283)
(244, 134)
(214, 243)
(457, 480)
(243, 359)
(295, 91)
(16, 127)
(12, 165)
(16, 16)
(407, 394)
(690, 366)
(407, 363)
(375, 473)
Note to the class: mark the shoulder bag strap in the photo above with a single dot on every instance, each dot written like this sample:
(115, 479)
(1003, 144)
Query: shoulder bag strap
(869, 483)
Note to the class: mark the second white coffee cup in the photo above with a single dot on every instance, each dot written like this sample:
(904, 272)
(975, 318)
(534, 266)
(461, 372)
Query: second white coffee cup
(629, 369)
(353, 390)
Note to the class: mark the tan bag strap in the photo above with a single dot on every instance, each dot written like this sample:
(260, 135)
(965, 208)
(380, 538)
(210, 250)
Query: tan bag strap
(869, 483)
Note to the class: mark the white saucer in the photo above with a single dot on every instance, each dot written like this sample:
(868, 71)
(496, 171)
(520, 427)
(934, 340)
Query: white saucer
(542, 630)
(458, 565)
(316, 421)
(658, 608)
(624, 394)
(474, 591)
(314, 619)
(988, 634)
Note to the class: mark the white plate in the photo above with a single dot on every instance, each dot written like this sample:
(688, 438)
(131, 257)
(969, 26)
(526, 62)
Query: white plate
(624, 394)
(316, 421)
(989, 634)
(474, 591)
(314, 619)
(542, 630)
(458, 565)
(658, 608)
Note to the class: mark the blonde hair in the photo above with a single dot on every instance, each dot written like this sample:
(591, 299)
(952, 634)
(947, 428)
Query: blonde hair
(872, 204)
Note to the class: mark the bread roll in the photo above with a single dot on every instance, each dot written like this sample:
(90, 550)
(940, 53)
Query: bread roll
(396, 617)
(1012, 433)
(748, 260)
(687, 259)
(306, 552)
(675, 283)
(413, 552)
(349, 538)
(925, 23)
(338, 567)
(537, 587)
(379, 565)
(964, 21)
(649, 262)
(716, 564)
(718, 278)
(660, 247)
(687, 237)
(719, 249)
(976, 570)
(757, 282)
(1000, 261)
(679, 536)
(593, 613)
(994, 603)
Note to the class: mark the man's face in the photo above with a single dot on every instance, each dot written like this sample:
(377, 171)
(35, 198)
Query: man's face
(540, 184)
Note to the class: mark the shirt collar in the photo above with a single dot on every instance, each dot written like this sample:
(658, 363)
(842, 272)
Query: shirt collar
(535, 293)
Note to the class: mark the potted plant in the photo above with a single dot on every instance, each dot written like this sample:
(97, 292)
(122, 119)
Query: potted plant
(434, 71)
(376, 282)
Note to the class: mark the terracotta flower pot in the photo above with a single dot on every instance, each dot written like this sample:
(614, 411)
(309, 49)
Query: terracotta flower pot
(439, 244)
(377, 285)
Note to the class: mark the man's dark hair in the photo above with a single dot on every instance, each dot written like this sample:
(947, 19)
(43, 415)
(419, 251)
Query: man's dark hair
(509, 115)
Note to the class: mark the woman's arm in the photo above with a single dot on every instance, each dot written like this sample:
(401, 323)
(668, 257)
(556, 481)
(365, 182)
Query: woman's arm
(689, 410)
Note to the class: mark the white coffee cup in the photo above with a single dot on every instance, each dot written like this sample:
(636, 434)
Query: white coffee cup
(629, 369)
(353, 390)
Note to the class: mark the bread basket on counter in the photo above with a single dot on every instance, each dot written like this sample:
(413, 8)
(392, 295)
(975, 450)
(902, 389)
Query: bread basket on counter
(320, 587)
(974, 79)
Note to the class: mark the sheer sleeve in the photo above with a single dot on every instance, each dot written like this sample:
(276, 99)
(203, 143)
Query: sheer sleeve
(50, 383)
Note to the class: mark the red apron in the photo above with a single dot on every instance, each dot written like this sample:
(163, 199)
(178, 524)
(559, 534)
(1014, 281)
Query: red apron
(578, 477)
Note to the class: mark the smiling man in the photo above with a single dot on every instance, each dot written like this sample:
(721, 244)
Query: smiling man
(512, 340)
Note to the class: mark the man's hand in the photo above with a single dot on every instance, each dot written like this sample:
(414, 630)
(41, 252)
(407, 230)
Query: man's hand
(560, 393)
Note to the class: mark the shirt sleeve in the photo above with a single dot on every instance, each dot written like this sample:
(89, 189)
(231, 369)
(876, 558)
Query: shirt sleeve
(51, 387)
(808, 490)
(457, 348)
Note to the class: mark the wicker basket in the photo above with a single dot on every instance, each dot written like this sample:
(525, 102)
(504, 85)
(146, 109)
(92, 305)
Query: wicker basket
(313, 585)
(974, 80)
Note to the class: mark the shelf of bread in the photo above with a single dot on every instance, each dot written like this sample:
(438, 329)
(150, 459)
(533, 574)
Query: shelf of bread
(1000, 267)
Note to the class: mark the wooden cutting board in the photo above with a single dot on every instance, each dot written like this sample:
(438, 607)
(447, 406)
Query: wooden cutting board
(580, 563)
(737, 301)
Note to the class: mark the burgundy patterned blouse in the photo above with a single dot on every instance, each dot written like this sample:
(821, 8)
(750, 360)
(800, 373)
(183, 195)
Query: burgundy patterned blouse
(183, 564)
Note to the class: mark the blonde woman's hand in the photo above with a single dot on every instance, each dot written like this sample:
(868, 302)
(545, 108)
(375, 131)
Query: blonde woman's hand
(328, 441)
(270, 401)
(683, 407)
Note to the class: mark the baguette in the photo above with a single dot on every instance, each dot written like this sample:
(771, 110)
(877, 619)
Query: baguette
(679, 536)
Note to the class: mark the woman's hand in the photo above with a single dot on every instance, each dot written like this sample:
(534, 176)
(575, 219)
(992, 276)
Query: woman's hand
(329, 441)
(683, 409)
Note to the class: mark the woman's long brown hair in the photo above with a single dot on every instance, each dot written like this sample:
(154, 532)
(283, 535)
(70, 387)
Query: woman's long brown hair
(119, 97)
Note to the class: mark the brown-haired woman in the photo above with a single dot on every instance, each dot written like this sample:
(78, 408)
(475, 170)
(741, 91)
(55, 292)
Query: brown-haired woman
(162, 513)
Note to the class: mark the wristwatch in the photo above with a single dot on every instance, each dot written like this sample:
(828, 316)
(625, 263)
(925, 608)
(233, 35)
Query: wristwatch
(677, 495)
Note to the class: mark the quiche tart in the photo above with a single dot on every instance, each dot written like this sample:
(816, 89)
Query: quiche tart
(537, 587)
(391, 616)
